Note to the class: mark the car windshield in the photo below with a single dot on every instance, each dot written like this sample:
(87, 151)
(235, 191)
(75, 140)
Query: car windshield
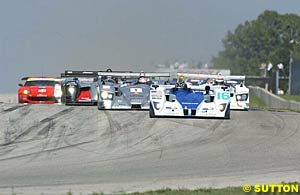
(40, 83)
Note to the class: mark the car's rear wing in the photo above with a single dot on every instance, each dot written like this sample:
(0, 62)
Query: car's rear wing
(209, 76)
(135, 74)
(40, 79)
(71, 73)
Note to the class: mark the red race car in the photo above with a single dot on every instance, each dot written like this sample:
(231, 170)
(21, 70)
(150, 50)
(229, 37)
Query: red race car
(40, 90)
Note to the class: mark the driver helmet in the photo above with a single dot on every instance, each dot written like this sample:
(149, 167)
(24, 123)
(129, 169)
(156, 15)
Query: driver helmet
(142, 80)
(219, 81)
(181, 79)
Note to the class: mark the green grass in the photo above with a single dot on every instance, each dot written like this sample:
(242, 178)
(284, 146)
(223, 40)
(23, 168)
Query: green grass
(257, 103)
(291, 97)
(222, 191)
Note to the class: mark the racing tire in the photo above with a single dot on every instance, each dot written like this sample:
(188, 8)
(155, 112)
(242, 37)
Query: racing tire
(227, 113)
(151, 113)
(99, 107)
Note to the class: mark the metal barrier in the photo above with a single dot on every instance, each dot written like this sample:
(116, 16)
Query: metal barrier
(272, 100)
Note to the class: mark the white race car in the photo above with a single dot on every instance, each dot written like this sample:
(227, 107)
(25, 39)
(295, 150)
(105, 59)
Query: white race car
(239, 93)
(185, 102)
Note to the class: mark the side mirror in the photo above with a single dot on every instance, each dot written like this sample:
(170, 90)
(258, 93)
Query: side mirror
(20, 85)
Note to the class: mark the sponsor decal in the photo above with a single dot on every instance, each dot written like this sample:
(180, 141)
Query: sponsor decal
(207, 108)
(189, 103)
(136, 90)
(42, 90)
(156, 95)
(135, 96)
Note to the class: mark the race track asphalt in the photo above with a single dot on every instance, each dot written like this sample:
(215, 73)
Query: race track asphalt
(53, 149)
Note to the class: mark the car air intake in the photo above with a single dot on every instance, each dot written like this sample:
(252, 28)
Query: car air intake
(42, 98)
(193, 113)
(185, 112)
(136, 106)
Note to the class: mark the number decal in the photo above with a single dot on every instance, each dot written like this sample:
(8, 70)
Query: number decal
(223, 95)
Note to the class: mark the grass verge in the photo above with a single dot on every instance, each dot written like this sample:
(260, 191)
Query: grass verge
(257, 103)
(291, 97)
(222, 191)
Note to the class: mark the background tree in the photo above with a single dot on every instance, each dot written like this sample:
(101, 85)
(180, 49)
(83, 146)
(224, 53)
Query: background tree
(266, 39)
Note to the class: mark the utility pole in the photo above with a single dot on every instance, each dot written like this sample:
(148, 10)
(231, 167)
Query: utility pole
(279, 67)
(290, 73)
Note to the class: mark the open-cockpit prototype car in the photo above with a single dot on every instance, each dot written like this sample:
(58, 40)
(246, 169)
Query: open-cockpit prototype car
(79, 87)
(40, 90)
(239, 93)
(129, 90)
(183, 101)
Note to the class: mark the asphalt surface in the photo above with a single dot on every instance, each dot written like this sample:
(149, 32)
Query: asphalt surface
(53, 149)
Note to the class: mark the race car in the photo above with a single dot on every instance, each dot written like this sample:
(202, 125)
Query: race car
(129, 90)
(79, 87)
(183, 101)
(239, 93)
(40, 90)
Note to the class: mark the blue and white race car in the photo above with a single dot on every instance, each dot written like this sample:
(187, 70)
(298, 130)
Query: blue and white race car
(239, 93)
(175, 101)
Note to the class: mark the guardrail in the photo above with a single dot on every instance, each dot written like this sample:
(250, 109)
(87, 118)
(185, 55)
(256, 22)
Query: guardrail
(9, 98)
(272, 100)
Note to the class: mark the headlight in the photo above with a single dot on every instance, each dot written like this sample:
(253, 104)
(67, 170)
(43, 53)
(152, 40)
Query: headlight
(244, 97)
(238, 97)
(104, 94)
(157, 105)
(221, 107)
(71, 90)
(26, 92)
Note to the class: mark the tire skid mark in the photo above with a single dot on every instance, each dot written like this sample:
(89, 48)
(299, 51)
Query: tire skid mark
(50, 138)
(114, 126)
(13, 108)
(45, 151)
(42, 122)
(60, 140)
(282, 126)
(54, 116)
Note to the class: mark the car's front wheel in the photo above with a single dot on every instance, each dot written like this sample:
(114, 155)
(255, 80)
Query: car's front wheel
(151, 112)
(227, 112)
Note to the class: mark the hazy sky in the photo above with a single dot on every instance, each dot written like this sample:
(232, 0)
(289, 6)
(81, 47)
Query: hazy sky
(45, 37)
